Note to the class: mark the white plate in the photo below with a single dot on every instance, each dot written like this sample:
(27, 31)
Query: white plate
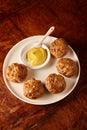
(41, 74)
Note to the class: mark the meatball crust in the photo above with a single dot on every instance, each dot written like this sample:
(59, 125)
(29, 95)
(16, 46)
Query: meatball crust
(33, 89)
(55, 83)
(59, 47)
(16, 72)
(67, 67)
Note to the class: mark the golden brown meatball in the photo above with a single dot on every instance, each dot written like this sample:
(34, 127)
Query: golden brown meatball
(67, 67)
(55, 83)
(59, 47)
(33, 88)
(16, 72)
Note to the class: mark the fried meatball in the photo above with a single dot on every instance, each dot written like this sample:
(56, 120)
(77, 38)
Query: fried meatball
(59, 47)
(67, 67)
(16, 72)
(33, 88)
(55, 83)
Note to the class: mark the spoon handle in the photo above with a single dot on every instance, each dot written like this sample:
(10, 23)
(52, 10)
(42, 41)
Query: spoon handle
(51, 29)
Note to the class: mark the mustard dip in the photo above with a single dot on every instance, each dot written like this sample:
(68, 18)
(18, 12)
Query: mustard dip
(36, 56)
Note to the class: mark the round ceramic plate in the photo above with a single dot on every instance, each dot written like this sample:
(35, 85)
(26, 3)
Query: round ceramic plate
(39, 74)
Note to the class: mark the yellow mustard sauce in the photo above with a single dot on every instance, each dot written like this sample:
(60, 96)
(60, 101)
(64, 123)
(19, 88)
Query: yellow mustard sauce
(36, 56)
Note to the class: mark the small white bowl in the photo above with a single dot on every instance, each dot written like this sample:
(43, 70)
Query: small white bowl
(26, 62)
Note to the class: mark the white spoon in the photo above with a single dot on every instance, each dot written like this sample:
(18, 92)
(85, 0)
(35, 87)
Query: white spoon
(40, 44)
(51, 29)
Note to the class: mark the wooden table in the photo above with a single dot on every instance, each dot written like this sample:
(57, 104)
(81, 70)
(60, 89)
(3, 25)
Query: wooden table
(20, 19)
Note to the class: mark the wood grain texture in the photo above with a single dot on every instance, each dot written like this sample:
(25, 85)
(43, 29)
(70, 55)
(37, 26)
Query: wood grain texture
(23, 18)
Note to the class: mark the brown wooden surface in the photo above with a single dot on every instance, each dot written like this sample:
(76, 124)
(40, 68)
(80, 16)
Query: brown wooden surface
(23, 18)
